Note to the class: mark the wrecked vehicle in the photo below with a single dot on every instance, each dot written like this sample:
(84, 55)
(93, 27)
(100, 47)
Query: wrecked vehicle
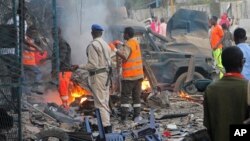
(169, 57)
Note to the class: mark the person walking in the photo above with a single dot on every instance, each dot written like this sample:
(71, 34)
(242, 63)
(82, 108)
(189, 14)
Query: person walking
(240, 40)
(216, 38)
(225, 100)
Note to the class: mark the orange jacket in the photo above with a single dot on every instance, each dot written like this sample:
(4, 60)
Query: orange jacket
(132, 67)
(215, 36)
(29, 55)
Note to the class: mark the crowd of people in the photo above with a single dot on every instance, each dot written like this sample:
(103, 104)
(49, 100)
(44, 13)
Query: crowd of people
(221, 38)
(226, 101)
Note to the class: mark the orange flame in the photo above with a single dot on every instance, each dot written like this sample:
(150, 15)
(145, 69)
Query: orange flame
(145, 84)
(184, 95)
(77, 91)
(83, 99)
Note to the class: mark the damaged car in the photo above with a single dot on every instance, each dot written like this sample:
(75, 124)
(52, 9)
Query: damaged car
(183, 55)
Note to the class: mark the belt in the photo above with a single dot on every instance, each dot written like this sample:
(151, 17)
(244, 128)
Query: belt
(91, 73)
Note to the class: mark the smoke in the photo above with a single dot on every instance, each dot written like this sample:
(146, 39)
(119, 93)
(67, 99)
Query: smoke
(76, 18)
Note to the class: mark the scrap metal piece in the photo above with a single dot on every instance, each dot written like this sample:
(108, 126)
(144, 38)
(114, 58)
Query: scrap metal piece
(167, 116)
(88, 129)
(191, 69)
(150, 75)
(102, 135)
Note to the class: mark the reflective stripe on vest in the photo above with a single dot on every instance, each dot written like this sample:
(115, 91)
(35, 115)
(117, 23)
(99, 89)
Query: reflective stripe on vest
(133, 66)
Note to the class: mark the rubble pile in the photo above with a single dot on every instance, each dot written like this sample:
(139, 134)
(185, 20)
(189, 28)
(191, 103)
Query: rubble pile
(180, 119)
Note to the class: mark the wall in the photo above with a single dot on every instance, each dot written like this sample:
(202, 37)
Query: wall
(239, 10)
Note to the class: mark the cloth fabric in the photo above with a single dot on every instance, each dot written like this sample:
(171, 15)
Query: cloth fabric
(225, 103)
(163, 29)
(29, 57)
(245, 48)
(131, 87)
(96, 58)
(40, 56)
(96, 52)
(32, 74)
(132, 68)
(217, 58)
(155, 26)
(216, 34)
(224, 20)
(64, 54)
(64, 84)
(227, 39)
(97, 27)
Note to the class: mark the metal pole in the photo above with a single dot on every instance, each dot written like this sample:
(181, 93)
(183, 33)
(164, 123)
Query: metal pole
(21, 43)
(55, 37)
(14, 12)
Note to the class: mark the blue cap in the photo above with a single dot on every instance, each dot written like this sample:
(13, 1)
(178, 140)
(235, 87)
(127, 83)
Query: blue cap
(96, 27)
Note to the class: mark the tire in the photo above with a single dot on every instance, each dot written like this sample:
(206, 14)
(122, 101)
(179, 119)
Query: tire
(55, 133)
(181, 79)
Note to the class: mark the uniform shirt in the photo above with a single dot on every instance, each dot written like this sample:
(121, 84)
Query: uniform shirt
(215, 36)
(225, 103)
(95, 53)
(245, 48)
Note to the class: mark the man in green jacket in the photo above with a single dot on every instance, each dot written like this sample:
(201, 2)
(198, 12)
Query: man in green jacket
(225, 100)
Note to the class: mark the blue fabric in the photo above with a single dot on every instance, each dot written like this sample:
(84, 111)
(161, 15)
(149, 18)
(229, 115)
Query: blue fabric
(97, 27)
(245, 48)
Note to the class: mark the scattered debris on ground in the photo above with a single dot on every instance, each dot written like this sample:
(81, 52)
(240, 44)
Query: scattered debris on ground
(182, 118)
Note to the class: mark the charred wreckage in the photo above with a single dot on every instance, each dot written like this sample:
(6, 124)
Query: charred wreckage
(169, 63)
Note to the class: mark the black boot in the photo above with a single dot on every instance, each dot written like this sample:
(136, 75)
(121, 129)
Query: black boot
(137, 111)
(124, 113)
(108, 129)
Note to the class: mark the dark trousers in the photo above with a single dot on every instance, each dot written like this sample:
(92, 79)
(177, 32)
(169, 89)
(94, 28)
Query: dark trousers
(131, 87)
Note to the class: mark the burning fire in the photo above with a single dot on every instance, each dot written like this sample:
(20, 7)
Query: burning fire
(145, 84)
(184, 95)
(77, 91)
(83, 99)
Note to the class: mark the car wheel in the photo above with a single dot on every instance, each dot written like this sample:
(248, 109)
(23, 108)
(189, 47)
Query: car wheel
(182, 78)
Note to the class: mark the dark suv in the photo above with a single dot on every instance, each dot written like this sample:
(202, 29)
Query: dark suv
(169, 57)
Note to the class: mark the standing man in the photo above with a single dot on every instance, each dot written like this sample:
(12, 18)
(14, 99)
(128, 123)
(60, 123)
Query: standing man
(240, 39)
(216, 37)
(228, 36)
(132, 73)
(99, 62)
(155, 25)
(29, 61)
(225, 100)
(65, 69)
(163, 28)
